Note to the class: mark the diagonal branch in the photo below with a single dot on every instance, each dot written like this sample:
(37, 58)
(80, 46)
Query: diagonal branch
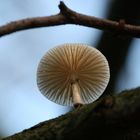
(68, 16)
(112, 117)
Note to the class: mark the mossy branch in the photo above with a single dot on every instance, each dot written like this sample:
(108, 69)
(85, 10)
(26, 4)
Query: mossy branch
(112, 117)
(68, 16)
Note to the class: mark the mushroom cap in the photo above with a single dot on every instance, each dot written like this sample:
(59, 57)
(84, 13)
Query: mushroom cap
(69, 63)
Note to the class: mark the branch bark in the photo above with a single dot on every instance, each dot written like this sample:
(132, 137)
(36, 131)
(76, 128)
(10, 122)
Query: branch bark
(68, 16)
(112, 117)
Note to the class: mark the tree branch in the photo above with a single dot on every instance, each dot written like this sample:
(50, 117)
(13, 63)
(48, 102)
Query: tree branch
(68, 16)
(112, 117)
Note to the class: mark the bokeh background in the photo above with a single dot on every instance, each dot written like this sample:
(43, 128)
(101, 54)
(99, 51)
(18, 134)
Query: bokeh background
(21, 103)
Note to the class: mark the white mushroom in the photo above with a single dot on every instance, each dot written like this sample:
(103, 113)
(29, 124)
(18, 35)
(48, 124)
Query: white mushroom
(73, 74)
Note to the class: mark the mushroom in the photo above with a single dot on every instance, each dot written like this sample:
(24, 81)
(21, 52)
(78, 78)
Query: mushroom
(73, 74)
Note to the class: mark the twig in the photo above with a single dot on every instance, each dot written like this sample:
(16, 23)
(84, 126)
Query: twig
(68, 16)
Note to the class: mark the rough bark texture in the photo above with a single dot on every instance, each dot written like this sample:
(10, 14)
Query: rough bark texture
(110, 118)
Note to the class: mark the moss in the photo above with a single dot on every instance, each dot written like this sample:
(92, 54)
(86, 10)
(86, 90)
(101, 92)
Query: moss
(112, 117)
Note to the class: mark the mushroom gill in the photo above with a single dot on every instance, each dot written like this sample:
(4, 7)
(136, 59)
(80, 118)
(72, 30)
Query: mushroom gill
(72, 74)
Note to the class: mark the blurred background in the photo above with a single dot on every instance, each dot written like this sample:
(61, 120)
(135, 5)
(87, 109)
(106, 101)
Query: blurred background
(21, 103)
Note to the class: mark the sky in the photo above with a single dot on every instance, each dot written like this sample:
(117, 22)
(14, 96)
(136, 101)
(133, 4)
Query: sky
(21, 103)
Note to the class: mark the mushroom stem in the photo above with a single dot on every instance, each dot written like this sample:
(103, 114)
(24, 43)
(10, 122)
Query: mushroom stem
(77, 101)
